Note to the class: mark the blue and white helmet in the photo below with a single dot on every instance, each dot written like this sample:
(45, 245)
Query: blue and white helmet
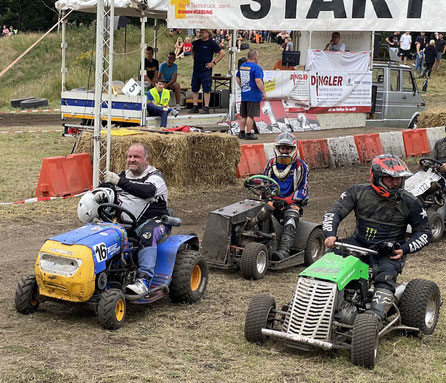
(87, 209)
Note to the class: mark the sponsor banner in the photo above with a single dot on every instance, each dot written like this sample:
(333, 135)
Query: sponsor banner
(340, 92)
(315, 15)
(343, 61)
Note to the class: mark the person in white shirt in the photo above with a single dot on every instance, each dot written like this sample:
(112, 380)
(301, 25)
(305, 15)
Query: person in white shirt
(405, 44)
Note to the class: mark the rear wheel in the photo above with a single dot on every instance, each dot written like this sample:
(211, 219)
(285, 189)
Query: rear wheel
(420, 305)
(365, 340)
(190, 277)
(436, 223)
(254, 261)
(414, 123)
(315, 246)
(261, 314)
(26, 295)
(112, 309)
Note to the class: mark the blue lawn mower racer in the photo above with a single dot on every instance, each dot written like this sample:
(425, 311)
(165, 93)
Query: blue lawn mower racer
(94, 263)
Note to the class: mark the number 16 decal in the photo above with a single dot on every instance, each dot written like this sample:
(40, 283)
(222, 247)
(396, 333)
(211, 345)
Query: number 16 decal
(100, 252)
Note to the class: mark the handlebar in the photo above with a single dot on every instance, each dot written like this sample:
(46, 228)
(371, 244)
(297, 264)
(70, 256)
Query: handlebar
(354, 249)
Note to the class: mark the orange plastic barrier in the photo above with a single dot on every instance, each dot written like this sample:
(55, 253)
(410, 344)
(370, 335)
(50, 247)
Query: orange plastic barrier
(315, 153)
(65, 176)
(415, 142)
(252, 161)
(368, 146)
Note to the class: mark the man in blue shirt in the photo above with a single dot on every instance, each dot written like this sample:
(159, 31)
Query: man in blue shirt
(168, 71)
(250, 80)
(203, 51)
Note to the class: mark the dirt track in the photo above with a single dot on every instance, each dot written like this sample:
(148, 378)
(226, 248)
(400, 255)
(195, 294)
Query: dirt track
(167, 342)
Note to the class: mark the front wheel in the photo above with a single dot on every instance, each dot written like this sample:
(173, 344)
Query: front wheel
(189, 278)
(365, 340)
(260, 315)
(254, 261)
(414, 123)
(112, 309)
(315, 246)
(420, 305)
(26, 295)
(436, 223)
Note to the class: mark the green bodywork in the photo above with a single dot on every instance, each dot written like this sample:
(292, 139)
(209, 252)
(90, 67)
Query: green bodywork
(335, 268)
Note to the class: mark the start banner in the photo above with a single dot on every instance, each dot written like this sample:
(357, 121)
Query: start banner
(340, 92)
(310, 15)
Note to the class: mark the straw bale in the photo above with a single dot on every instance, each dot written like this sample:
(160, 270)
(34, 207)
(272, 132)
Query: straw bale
(432, 118)
(192, 159)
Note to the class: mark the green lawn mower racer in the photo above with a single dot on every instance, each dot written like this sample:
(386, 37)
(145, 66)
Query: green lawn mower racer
(328, 309)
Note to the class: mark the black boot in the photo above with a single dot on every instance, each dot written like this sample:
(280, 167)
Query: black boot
(381, 303)
(284, 248)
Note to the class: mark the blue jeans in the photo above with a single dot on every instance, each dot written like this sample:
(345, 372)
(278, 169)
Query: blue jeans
(419, 62)
(155, 110)
(149, 233)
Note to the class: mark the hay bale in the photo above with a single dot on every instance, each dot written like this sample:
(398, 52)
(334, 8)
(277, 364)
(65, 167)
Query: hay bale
(192, 159)
(432, 118)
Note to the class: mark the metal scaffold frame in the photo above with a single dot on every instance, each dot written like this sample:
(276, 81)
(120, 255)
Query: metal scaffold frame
(103, 83)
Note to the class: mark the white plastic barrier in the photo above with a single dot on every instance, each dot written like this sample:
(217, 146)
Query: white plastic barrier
(392, 143)
(343, 151)
(433, 135)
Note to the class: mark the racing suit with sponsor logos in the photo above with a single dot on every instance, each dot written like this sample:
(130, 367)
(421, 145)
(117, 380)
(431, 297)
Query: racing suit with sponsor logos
(439, 151)
(145, 196)
(293, 195)
(380, 219)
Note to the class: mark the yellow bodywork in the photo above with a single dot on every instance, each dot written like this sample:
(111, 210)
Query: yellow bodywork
(78, 287)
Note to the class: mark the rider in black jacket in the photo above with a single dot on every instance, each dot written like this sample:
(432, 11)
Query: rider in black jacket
(383, 209)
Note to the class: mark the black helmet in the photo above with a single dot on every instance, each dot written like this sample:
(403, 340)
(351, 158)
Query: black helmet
(387, 165)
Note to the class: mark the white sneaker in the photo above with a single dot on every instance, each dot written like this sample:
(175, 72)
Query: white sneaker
(175, 112)
(139, 287)
(177, 107)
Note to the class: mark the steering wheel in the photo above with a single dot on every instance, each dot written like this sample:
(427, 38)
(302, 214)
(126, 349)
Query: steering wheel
(263, 186)
(430, 163)
(110, 212)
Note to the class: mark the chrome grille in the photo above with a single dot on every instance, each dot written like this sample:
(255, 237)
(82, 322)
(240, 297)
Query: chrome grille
(310, 311)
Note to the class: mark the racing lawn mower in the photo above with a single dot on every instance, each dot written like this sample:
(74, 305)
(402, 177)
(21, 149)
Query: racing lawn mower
(428, 185)
(245, 234)
(94, 263)
(328, 308)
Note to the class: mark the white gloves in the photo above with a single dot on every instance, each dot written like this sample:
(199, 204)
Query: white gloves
(111, 177)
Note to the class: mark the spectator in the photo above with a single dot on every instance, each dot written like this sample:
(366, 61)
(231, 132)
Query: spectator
(287, 45)
(169, 71)
(187, 48)
(158, 101)
(250, 80)
(239, 41)
(219, 38)
(178, 47)
(203, 51)
(151, 66)
(335, 45)
(405, 44)
(394, 41)
(5, 31)
(430, 54)
(440, 44)
(420, 44)
(281, 37)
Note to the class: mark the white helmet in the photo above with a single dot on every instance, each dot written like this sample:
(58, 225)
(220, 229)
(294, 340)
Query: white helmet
(87, 210)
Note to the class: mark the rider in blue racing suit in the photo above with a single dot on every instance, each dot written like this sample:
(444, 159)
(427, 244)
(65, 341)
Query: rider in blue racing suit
(291, 173)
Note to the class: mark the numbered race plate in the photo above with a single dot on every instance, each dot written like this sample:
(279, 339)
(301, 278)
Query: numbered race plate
(420, 182)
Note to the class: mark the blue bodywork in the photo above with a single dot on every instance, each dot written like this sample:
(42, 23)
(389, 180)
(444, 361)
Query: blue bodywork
(107, 240)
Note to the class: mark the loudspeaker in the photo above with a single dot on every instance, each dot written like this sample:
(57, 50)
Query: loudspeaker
(291, 58)
(376, 45)
(215, 100)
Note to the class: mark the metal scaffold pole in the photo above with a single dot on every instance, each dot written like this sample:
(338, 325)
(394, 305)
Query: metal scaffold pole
(103, 83)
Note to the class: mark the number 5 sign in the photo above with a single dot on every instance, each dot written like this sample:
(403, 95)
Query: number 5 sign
(132, 88)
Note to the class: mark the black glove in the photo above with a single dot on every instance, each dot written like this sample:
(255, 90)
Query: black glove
(248, 183)
(385, 249)
(279, 204)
